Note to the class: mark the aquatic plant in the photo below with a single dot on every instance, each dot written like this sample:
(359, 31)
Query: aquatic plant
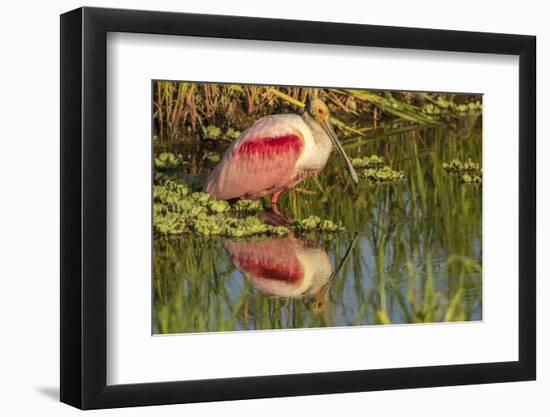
(235, 227)
(231, 133)
(461, 167)
(211, 156)
(167, 161)
(470, 179)
(469, 172)
(247, 205)
(160, 177)
(312, 223)
(177, 209)
(382, 175)
(368, 161)
(372, 168)
(444, 106)
(212, 132)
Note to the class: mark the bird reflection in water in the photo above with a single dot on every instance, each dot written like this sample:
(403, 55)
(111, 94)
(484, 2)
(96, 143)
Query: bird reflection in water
(288, 267)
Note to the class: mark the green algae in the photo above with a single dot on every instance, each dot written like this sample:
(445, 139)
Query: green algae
(460, 167)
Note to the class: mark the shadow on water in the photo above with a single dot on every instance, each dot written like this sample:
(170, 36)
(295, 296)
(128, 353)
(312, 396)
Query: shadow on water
(412, 251)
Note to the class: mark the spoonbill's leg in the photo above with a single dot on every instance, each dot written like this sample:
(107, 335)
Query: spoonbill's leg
(274, 217)
(274, 198)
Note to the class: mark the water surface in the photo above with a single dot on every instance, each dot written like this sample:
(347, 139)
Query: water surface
(411, 251)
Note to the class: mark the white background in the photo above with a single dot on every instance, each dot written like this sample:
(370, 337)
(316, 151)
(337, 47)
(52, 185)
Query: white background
(29, 213)
(133, 60)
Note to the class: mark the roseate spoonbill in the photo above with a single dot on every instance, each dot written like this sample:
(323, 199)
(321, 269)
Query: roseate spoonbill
(284, 267)
(275, 153)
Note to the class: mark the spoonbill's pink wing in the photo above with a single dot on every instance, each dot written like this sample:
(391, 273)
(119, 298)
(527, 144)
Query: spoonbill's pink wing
(261, 161)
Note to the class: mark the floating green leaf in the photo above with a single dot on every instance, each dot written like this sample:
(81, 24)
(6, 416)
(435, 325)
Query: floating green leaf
(247, 205)
(211, 132)
(211, 156)
(167, 161)
(470, 179)
(368, 161)
(442, 106)
(469, 171)
(382, 175)
(461, 167)
(316, 223)
(231, 133)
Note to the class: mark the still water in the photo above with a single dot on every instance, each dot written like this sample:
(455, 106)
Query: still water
(411, 252)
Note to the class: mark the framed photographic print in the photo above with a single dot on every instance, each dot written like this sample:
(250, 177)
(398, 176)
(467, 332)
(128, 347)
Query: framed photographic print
(257, 208)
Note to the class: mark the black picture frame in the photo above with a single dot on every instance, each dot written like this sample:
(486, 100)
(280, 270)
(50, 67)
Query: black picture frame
(84, 207)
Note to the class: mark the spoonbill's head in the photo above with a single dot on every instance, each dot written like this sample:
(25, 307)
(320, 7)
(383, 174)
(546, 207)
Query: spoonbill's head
(317, 110)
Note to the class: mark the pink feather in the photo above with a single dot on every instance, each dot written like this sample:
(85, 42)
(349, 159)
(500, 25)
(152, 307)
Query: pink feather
(261, 161)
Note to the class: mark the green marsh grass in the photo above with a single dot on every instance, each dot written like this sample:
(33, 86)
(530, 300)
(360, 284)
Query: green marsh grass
(181, 110)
